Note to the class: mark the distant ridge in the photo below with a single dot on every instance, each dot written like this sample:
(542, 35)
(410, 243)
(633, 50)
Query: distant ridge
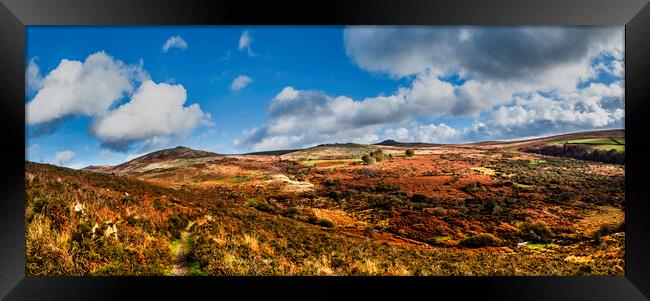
(391, 142)
(273, 152)
(348, 144)
(97, 168)
(182, 152)
(576, 135)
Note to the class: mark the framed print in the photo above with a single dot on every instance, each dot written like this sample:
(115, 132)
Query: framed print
(363, 148)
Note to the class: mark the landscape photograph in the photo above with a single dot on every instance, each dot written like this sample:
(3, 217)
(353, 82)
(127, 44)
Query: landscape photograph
(324, 151)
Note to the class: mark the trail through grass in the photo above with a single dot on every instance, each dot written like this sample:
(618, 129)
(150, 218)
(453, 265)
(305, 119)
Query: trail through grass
(181, 248)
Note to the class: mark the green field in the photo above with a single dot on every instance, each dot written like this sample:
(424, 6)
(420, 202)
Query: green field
(603, 143)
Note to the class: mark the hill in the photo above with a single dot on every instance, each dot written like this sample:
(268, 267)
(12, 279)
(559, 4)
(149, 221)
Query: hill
(406, 144)
(179, 152)
(470, 209)
(159, 160)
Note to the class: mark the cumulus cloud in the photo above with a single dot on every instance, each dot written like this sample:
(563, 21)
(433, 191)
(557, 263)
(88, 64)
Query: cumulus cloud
(502, 53)
(245, 41)
(81, 88)
(174, 42)
(309, 115)
(240, 82)
(614, 67)
(579, 110)
(302, 117)
(154, 111)
(429, 133)
(63, 157)
(151, 113)
(517, 81)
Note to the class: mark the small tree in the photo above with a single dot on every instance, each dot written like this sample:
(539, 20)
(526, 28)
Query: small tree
(409, 153)
(378, 155)
(367, 159)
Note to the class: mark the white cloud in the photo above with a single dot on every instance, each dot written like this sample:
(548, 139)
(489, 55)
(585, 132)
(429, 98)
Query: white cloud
(245, 41)
(174, 42)
(154, 112)
(303, 117)
(63, 157)
(76, 165)
(33, 78)
(240, 82)
(82, 88)
(578, 110)
(618, 68)
(506, 53)
(615, 68)
(517, 82)
(429, 133)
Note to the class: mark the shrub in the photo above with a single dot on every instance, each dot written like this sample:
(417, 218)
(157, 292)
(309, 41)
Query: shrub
(607, 229)
(177, 223)
(419, 198)
(385, 202)
(129, 200)
(507, 155)
(331, 182)
(367, 159)
(293, 212)
(537, 231)
(323, 222)
(472, 187)
(409, 153)
(336, 195)
(383, 187)
(438, 211)
(369, 232)
(489, 206)
(481, 240)
(378, 155)
(158, 205)
(430, 174)
(264, 207)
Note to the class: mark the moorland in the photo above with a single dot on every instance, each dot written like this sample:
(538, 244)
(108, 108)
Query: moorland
(544, 206)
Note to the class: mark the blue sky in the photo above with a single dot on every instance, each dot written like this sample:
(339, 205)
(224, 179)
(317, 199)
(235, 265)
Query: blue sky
(102, 95)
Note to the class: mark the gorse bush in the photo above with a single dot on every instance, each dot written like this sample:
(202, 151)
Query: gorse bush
(537, 231)
(369, 232)
(378, 155)
(472, 187)
(419, 198)
(368, 159)
(264, 207)
(481, 240)
(323, 222)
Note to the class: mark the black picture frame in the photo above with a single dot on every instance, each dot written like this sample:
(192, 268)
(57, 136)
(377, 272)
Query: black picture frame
(633, 14)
